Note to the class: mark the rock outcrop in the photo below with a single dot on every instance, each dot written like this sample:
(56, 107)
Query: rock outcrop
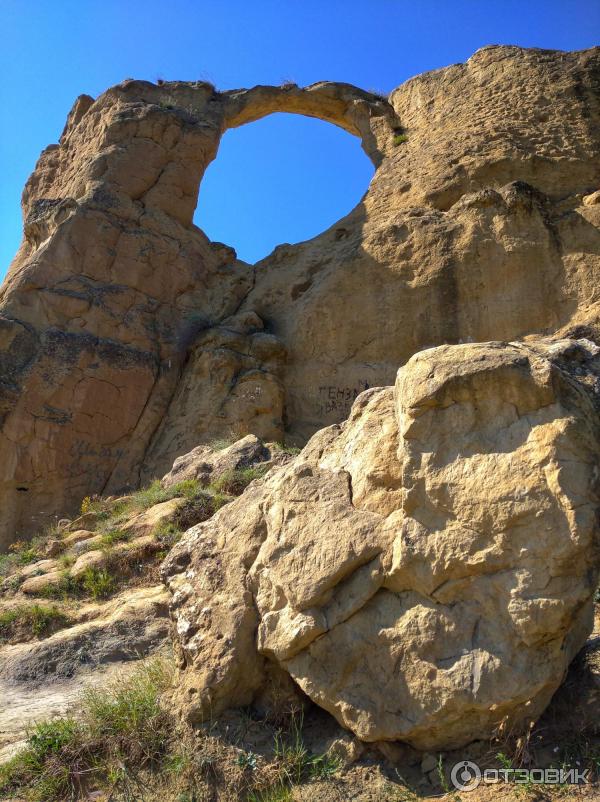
(127, 338)
(206, 465)
(424, 571)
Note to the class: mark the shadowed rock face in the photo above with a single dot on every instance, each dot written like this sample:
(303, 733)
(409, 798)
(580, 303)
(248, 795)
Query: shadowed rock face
(126, 337)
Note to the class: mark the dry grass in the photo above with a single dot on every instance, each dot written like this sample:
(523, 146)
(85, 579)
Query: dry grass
(125, 740)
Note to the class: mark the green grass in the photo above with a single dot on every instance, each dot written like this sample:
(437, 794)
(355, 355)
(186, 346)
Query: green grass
(221, 443)
(120, 727)
(292, 450)
(33, 620)
(19, 554)
(98, 583)
(64, 589)
(278, 793)
(399, 139)
(155, 493)
(168, 534)
(66, 560)
(114, 514)
(234, 482)
(125, 741)
(297, 763)
(112, 536)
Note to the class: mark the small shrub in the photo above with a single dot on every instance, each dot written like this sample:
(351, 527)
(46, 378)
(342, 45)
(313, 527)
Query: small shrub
(24, 553)
(98, 583)
(296, 762)
(93, 504)
(247, 760)
(399, 139)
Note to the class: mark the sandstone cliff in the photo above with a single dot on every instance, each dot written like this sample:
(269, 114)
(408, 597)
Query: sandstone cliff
(127, 338)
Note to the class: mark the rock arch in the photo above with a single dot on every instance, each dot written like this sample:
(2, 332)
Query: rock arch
(117, 313)
(112, 277)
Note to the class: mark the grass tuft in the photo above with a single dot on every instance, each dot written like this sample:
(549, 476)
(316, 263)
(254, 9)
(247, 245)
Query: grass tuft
(221, 443)
(292, 450)
(234, 482)
(121, 727)
(297, 763)
(30, 620)
(98, 583)
(278, 793)
(112, 536)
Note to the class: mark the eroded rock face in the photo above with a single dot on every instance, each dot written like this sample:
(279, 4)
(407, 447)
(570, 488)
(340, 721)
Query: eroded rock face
(424, 571)
(126, 337)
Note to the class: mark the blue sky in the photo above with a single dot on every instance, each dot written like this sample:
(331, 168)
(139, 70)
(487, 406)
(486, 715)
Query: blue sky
(282, 179)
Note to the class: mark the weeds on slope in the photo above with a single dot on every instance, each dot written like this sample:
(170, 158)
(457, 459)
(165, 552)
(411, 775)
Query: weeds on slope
(120, 727)
(126, 741)
(27, 621)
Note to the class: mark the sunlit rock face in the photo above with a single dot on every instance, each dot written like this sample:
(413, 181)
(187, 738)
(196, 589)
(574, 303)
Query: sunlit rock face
(424, 571)
(127, 338)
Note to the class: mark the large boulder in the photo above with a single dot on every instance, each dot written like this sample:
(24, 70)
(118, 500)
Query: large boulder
(425, 571)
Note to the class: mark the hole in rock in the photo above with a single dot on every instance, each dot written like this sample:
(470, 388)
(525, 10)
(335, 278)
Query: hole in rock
(282, 179)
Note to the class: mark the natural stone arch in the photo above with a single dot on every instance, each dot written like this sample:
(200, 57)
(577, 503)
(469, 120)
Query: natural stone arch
(282, 179)
(112, 275)
(460, 237)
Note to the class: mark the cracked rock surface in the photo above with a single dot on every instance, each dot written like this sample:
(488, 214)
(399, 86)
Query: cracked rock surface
(127, 338)
(424, 571)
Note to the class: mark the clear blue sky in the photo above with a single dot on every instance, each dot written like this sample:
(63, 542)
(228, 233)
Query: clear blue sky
(282, 179)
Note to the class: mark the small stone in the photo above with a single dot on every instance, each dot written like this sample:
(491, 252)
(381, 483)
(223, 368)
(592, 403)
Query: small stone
(429, 763)
(347, 749)
(91, 559)
(54, 547)
(77, 536)
(36, 584)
